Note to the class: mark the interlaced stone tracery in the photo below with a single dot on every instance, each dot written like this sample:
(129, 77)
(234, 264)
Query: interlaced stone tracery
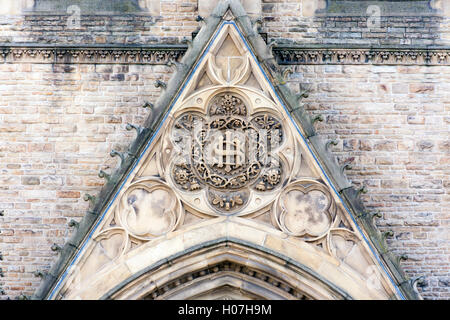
(230, 152)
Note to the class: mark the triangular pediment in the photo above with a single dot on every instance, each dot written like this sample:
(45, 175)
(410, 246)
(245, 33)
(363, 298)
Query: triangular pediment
(227, 154)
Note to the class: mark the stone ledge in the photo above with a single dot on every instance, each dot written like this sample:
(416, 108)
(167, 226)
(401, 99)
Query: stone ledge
(361, 56)
(111, 54)
(162, 54)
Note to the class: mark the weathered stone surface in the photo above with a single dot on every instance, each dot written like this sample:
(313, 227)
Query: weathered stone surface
(46, 125)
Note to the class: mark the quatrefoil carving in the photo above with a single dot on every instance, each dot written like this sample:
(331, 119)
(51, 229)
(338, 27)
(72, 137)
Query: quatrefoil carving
(304, 209)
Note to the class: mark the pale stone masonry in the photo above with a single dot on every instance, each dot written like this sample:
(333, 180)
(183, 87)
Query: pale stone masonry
(59, 122)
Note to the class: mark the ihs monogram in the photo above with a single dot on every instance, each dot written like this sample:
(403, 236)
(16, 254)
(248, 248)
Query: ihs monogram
(227, 152)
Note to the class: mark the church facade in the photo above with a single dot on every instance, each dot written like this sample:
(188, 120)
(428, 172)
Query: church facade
(224, 150)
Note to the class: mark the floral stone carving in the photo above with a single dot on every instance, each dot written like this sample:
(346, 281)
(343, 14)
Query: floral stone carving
(227, 152)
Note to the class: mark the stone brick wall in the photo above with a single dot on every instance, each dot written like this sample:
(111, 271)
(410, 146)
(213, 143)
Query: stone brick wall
(58, 123)
(174, 23)
(362, 22)
(356, 22)
(392, 126)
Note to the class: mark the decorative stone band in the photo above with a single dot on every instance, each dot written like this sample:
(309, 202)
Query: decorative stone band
(345, 56)
(162, 54)
(158, 54)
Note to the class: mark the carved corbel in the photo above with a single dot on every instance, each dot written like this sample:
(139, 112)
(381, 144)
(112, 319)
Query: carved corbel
(102, 174)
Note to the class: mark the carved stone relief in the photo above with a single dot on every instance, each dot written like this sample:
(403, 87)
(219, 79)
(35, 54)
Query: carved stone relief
(230, 153)
(226, 270)
(305, 211)
(149, 209)
(228, 148)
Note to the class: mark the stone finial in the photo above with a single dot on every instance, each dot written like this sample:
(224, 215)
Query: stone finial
(271, 44)
(257, 23)
(373, 215)
(286, 73)
(38, 273)
(115, 153)
(130, 127)
(377, 214)
(418, 282)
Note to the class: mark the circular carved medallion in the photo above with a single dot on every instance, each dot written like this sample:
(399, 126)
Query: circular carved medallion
(227, 152)
(305, 209)
(149, 209)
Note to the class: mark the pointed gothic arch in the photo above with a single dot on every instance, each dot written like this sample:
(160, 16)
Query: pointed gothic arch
(227, 264)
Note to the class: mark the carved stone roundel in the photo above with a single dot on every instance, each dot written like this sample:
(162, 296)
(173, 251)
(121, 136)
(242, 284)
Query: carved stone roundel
(305, 209)
(227, 152)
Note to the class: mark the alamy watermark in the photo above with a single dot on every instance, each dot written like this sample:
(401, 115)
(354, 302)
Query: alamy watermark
(374, 19)
(74, 20)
